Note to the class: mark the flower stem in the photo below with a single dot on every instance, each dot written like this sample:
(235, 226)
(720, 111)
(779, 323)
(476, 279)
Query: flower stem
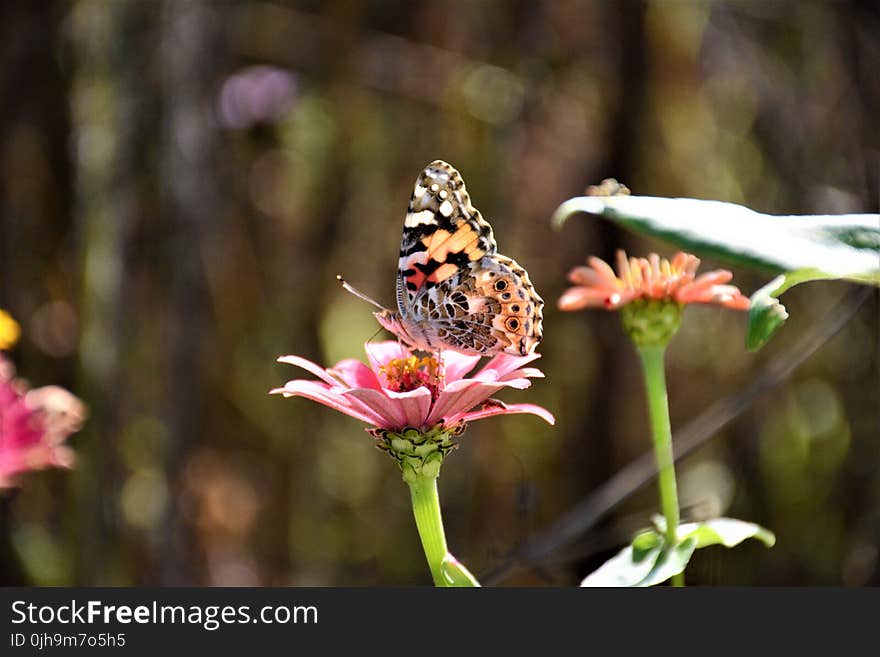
(658, 408)
(445, 569)
(426, 509)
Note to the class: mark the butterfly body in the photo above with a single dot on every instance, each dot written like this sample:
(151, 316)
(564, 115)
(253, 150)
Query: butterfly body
(454, 290)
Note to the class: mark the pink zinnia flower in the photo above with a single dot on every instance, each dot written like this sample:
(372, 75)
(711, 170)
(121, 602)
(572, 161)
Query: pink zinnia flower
(34, 425)
(400, 391)
(597, 286)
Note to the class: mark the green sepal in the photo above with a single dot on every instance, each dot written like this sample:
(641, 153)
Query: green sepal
(417, 453)
(651, 322)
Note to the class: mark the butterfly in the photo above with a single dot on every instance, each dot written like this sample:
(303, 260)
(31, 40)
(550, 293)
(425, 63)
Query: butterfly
(454, 290)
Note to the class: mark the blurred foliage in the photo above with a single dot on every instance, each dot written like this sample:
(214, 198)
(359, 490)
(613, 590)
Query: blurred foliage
(181, 181)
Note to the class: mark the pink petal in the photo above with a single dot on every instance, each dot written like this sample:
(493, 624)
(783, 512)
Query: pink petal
(508, 409)
(380, 353)
(517, 383)
(357, 375)
(416, 405)
(60, 413)
(309, 366)
(524, 373)
(63, 457)
(390, 410)
(293, 387)
(502, 365)
(331, 397)
(456, 366)
(462, 396)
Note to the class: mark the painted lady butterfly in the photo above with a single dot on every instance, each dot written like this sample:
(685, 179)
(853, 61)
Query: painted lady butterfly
(454, 290)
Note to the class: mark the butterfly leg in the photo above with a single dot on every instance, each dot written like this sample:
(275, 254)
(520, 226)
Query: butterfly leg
(441, 370)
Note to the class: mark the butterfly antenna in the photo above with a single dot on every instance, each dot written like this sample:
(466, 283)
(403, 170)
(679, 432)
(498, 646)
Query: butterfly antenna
(360, 295)
(378, 331)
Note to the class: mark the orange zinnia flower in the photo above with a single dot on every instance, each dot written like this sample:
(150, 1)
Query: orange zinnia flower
(653, 277)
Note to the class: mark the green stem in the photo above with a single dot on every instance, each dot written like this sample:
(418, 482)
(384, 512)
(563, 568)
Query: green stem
(445, 569)
(658, 407)
(426, 509)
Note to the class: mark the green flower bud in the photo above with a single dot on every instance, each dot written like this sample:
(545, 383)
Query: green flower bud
(651, 322)
(418, 453)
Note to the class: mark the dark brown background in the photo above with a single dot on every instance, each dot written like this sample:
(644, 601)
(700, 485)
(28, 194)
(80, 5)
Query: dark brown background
(170, 224)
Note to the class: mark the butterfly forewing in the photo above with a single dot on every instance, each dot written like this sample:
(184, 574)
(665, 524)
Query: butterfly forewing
(454, 290)
(442, 232)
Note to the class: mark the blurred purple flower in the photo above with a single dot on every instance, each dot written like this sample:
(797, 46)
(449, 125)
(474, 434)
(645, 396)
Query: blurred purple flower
(257, 94)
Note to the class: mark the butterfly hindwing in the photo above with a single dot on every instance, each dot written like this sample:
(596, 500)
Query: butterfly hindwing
(487, 307)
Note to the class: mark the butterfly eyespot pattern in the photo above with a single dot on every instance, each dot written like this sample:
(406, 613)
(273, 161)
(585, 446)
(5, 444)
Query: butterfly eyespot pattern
(454, 290)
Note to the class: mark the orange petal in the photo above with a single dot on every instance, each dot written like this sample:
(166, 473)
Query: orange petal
(583, 276)
(577, 298)
(605, 273)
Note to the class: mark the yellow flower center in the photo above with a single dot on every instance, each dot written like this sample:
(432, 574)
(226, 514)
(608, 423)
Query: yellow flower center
(9, 330)
(405, 374)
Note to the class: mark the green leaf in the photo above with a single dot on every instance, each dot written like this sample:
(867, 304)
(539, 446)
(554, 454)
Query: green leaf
(670, 562)
(645, 542)
(724, 531)
(840, 246)
(649, 560)
(455, 574)
(766, 314)
(804, 247)
(628, 567)
(718, 531)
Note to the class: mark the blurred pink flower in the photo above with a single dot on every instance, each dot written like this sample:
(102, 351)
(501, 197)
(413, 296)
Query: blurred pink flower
(34, 425)
(399, 390)
(653, 277)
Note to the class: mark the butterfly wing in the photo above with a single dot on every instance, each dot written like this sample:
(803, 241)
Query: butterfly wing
(454, 290)
(488, 307)
(442, 233)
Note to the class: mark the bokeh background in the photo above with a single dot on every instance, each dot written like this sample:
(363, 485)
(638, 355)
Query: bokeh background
(181, 181)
